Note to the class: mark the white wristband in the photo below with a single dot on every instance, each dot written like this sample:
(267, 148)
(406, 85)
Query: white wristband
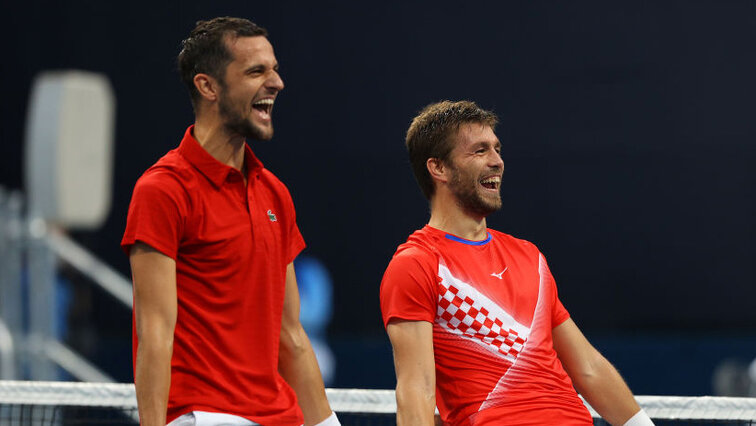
(639, 419)
(332, 420)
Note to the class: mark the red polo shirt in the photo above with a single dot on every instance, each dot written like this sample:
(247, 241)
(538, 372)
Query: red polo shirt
(231, 245)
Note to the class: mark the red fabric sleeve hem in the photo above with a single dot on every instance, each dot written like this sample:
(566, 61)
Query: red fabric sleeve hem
(559, 321)
(388, 319)
(295, 249)
(127, 242)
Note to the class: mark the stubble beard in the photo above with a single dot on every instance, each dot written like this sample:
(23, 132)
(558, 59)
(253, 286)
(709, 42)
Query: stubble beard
(237, 123)
(464, 188)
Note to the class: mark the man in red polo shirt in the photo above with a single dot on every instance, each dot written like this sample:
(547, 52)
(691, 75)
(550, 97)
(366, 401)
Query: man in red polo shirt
(473, 314)
(211, 236)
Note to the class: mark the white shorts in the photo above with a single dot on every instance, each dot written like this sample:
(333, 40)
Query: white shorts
(205, 418)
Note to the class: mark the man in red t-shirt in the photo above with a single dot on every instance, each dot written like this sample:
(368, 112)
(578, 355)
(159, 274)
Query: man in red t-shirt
(473, 314)
(211, 236)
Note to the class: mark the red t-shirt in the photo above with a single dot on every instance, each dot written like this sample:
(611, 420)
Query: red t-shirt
(493, 304)
(231, 245)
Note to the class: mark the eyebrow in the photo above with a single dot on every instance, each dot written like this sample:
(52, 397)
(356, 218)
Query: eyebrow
(480, 144)
(254, 67)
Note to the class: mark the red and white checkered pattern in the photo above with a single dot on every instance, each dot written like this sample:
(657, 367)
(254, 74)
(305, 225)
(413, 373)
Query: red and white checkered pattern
(461, 314)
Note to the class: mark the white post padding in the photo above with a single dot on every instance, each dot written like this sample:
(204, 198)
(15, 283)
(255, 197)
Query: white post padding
(69, 148)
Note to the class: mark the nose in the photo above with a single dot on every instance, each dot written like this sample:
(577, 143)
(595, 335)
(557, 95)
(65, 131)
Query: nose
(495, 160)
(275, 81)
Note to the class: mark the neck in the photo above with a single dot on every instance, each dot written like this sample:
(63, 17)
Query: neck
(218, 142)
(448, 216)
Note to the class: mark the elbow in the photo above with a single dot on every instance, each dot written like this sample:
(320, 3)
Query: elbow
(153, 351)
(590, 373)
(583, 381)
(156, 336)
(293, 341)
(155, 344)
(408, 396)
(422, 391)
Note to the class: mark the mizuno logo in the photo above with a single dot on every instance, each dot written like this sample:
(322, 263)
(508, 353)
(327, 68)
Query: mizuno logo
(272, 216)
(499, 274)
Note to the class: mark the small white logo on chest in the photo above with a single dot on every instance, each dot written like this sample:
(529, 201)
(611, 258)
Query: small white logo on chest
(499, 274)
(272, 216)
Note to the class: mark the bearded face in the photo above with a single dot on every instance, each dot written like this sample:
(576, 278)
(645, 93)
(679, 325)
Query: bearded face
(237, 121)
(475, 168)
(249, 88)
(477, 192)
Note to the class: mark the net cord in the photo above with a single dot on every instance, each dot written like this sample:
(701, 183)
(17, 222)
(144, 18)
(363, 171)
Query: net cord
(358, 400)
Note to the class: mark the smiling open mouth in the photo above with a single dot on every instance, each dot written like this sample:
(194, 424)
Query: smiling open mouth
(491, 182)
(264, 105)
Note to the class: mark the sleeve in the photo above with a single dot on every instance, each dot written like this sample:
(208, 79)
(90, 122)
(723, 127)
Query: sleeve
(295, 243)
(559, 313)
(155, 214)
(409, 287)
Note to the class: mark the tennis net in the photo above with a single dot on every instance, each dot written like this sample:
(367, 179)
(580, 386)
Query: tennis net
(64, 403)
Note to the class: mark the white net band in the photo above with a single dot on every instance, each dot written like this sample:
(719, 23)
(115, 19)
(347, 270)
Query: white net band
(356, 400)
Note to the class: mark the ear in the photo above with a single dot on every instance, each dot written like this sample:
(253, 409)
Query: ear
(437, 169)
(207, 86)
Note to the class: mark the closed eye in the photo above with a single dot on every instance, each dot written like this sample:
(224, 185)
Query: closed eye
(255, 70)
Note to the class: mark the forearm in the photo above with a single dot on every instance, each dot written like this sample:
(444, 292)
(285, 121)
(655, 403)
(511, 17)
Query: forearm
(415, 371)
(415, 405)
(593, 376)
(299, 367)
(155, 305)
(152, 379)
(607, 392)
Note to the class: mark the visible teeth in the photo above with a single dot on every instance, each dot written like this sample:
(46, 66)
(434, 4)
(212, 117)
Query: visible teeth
(494, 179)
(264, 102)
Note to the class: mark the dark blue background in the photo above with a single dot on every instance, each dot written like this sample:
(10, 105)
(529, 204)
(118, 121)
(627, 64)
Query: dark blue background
(628, 137)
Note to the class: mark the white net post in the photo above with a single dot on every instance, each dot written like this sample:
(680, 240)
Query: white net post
(11, 302)
(41, 270)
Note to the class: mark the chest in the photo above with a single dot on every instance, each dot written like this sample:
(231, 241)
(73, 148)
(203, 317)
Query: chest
(234, 223)
(495, 279)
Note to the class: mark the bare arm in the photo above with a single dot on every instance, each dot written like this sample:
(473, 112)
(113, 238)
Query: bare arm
(296, 359)
(154, 276)
(415, 372)
(593, 376)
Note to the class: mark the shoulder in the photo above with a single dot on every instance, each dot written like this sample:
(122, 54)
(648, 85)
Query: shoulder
(421, 243)
(413, 268)
(172, 164)
(414, 255)
(417, 253)
(169, 176)
(514, 243)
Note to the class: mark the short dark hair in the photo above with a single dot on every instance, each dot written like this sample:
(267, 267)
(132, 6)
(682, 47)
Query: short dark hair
(431, 134)
(205, 50)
